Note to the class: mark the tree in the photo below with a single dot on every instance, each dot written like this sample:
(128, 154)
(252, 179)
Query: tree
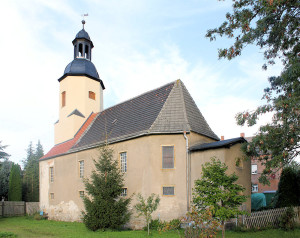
(104, 205)
(288, 193)
(3, 154)
(4, 178)
(147, 207)
(31, 173)
(15, 184)
(218, 190)
(273, 25)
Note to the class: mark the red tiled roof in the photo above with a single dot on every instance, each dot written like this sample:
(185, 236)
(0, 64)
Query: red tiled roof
(64, 147)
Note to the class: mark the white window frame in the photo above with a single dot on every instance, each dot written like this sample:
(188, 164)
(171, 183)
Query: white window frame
(123, 162)
(253, 171)
(124, 192)
(162, 152)
(51, 174)
(81, 168)
(254, 188)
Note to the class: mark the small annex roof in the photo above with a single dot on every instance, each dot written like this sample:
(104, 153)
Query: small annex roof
(169, 109)
(218, 144)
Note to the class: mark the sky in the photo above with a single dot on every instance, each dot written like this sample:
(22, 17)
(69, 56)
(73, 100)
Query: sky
(139, 45)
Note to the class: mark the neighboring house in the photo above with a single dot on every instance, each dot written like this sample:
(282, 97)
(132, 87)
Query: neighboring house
(160, 139)
(256, 170)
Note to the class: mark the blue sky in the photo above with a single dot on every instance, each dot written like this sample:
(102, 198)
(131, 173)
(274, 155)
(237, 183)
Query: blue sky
(139, 45)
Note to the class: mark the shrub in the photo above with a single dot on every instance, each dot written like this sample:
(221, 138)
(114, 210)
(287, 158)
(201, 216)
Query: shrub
(170, 226)
(287, 220)
(153, 225)
(7, 234)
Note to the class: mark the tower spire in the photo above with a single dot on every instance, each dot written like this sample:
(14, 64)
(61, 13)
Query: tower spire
(83, 21)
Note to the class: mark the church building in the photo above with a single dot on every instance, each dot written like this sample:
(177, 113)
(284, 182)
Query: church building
(160, 139)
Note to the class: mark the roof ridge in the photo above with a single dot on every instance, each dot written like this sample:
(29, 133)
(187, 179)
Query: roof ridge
(173, 82)
(184, 106)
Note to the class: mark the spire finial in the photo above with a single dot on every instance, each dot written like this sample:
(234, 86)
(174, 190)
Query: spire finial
(83, 21)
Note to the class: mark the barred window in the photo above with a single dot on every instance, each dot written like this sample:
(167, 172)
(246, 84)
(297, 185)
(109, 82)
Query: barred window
(51, 174)
(124, 192)
(169, 190)
(254, 188)
(168, 157)
(81, 168)
(123, 161)
(81, 194)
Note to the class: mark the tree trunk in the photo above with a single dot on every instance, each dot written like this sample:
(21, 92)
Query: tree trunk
(148, 223)
(223, 229)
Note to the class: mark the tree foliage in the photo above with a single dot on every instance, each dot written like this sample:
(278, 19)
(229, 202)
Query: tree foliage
(145, 207)
(273, 25)
(218, 190)
(31, 173)
(4, 178)
(3, 154)
(15, 184)
(104, 206)
(288, 193)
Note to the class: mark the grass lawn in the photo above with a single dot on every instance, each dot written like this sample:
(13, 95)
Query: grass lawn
(26, 227)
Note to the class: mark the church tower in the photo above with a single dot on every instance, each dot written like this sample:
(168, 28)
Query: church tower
(80, 90)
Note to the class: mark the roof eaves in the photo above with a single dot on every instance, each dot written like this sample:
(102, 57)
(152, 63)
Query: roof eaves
(80, 74)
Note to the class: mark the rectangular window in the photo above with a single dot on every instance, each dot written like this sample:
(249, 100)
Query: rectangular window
(81, 194)
(254, 188)
(51, 195)
(63, 99)
(169, 190)
(123, 162)
(92, 95)
(254, 169)
(124, 192)
(168, 157)
(81, 168)
(51, 174)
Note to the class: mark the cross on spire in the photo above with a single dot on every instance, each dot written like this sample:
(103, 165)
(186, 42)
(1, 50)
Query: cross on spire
(83, 21)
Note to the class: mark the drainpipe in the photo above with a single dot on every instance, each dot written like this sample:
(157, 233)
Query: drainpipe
(187, 171)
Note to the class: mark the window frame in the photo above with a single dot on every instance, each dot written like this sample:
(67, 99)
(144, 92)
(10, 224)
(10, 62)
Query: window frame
(51, 196)
(51, 174)
(254, 172)
(63, 99)
(168, 186)
(81, 169)
(256, 188)
(124, 192)
(162, 157)
(123, 165)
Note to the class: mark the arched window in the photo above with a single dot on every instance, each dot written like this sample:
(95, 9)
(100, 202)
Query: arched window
(63, 99)
(92, 95)
(80, 51)
(87, 56)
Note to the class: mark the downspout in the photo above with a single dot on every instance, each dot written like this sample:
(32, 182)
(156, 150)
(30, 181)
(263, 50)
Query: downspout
(187, 171)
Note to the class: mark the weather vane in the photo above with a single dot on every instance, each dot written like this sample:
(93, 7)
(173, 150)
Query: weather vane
(83, 21)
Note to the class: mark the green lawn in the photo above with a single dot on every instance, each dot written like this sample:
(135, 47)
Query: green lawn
(25, 227)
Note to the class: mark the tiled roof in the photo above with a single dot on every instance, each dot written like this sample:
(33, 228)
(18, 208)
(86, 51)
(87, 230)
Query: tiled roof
(218, 144)
(64, 147)
(167, 110)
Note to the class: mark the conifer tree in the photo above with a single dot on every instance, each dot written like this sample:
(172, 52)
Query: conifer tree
(4, 178)
(15, 184)
(104, 206)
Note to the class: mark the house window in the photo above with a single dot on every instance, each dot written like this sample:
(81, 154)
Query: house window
(81, 194)
(51, 195)
(63, 99)
(92, 95)
(168, 157)
(254, 169)
(123, 161)
(51, 174)
(81, 168)
(124, 192)
(169, 191)
(254, 188)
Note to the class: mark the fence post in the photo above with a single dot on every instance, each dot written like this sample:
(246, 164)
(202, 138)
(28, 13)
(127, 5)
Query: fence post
(2, 203)
(24, 208)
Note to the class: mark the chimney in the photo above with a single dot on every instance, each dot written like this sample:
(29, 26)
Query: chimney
(222, 137)
(242, 134)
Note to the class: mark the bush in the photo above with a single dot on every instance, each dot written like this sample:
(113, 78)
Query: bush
(287, 220)
(7, 234)
(169, 226)
(153, 225)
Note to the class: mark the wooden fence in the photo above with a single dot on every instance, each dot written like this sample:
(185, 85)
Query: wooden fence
(18, 208)
(267, 218)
